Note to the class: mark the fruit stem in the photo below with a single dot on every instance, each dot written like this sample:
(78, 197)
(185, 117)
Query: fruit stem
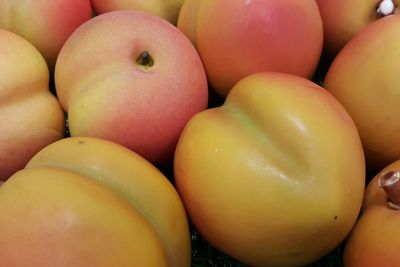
(145, 59)
(386, 8)
(390, 182)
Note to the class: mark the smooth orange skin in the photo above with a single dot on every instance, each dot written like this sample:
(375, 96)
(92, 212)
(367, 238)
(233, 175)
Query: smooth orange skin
(45, 24)
(375, 238)
(264, 177)
(133, 179)
(30, 116)
(342, 19)
(236, 38)
(166, 9)
(108, 95)
(53, 217)
(364, 78)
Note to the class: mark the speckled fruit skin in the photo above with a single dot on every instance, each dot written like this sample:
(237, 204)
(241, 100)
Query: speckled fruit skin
(276, 175)
(83, 201)
(166, 9)
(108, 94)
(236, 38)
(342, 19)
(375, 238)
(30, 116)
(364, 78)
(45, 24)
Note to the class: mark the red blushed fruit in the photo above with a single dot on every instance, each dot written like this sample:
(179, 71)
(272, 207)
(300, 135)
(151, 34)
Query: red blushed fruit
(236, 38)
(132, 78)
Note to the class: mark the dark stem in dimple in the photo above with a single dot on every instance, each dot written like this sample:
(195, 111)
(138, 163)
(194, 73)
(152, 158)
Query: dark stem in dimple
(390, 182)
(145, 59)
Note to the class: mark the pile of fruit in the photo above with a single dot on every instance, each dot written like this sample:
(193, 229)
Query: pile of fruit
(199, 133)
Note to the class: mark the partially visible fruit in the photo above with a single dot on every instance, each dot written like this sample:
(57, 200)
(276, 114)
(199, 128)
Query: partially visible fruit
(30, 116)
(364, 78)
(375, 238)
(236, 38)
(90, 202)
(45, 24)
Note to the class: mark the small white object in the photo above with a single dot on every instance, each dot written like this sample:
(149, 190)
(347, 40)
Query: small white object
(386, 7)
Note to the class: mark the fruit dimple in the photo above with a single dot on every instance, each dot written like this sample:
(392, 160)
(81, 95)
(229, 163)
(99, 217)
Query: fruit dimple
(275, 150)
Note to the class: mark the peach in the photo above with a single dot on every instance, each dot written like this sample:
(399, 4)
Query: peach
(30, 116)
(236, 38)
(364, 78)
(132, 78)
(167, 9)
(46, 24)
(275, 176)
(138, 188)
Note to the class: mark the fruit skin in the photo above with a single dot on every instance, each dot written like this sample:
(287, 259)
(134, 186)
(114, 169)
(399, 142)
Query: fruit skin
(124, 193)
(372, 98)
(236, 38)
(374, 240)
(342, 19)
(45, 24)
(167, 9)
(264, 177)
(30, 116)
(107, 94)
